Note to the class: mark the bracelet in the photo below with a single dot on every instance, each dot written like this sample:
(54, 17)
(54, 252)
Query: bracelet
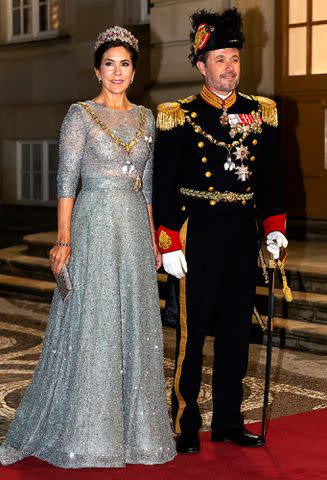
(62, 244)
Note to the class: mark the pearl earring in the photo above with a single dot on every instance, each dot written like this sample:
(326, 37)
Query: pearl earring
(99, 80)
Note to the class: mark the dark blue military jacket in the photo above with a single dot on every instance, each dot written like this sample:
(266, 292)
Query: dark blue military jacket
(205, 149)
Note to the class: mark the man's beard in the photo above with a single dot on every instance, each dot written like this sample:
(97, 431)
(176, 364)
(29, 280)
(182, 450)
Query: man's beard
(225, 85)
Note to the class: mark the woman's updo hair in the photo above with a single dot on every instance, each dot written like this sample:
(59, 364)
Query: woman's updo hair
(98, 54)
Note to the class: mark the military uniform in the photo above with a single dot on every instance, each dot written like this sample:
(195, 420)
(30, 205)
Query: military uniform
(216, 172)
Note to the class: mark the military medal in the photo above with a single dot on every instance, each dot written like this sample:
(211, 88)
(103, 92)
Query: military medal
(244, 122)
(241, 152)
(229, 164)
(224, 118)
(241, 126)
(242, 172)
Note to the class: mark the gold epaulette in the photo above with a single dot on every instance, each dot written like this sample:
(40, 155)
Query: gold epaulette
(268, 110)
(170, 115)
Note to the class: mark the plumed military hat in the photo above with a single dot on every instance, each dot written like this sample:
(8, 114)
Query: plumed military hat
(212, 31)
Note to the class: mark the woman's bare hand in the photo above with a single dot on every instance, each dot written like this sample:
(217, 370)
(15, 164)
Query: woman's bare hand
(157, 255)
(59, 256)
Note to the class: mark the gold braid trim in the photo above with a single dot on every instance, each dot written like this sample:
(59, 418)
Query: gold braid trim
(170, 115)
(183, 337)
(227, 196)
(286, 289)
(280, 265)
(209, 97)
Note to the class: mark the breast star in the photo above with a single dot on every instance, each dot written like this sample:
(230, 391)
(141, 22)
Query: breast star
(241, 152)
(242, 172)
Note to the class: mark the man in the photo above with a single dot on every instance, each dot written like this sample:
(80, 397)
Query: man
(216, 172)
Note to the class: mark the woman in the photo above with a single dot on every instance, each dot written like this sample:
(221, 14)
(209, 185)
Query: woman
(97, 398)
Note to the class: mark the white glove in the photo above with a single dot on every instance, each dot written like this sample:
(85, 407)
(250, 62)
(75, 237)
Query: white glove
(174, 263)
(275, 240)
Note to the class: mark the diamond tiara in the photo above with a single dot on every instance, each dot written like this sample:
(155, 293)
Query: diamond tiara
(117, 33)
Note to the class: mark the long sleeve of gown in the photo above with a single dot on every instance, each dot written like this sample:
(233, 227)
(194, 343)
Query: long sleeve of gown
(148, 171)
(71, 147)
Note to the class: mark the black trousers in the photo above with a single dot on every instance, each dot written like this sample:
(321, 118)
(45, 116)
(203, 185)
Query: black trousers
(217, 294)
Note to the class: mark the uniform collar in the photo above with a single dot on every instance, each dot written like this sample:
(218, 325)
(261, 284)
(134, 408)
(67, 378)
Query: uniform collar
(217, 102)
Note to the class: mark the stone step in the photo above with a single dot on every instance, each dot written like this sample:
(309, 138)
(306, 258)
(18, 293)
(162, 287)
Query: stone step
(308, 279)
(13, 310)
(302, 324)
(26, 288)
(294, 334)
(305, 307)
(305, 266)
(314, 281)
(308, 333)
(31, 289)
(288, 333)
(39, 244)
(15, 261)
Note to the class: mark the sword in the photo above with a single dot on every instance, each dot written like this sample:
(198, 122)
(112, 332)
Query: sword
(272, 266)
(271, 287)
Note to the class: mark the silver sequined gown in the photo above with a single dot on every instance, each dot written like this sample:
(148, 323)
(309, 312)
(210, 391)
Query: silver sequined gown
(97, 398)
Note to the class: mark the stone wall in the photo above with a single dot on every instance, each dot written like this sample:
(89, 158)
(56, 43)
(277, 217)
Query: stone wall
(40, 78)
(171, 73)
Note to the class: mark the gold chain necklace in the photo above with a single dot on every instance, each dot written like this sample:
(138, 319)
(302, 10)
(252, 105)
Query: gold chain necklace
(209, 137)
(128, 147)
(241, 171)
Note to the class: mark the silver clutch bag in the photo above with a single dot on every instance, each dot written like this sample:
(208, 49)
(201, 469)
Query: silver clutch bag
(64, 283)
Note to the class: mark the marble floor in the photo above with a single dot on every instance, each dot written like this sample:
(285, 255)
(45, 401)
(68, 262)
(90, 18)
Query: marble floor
(299, 379)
